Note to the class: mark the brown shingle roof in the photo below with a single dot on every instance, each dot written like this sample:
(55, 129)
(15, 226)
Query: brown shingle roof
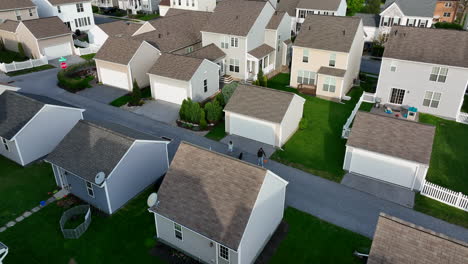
(288, 6)
(176, 66)
(61, 2)
(210, 193)
(330, 5)
(261, 51)
(14, 4)
(391, 136)
(331, 71)
(275, 20)
(117, 28)
(165, 3)
(9, 25)
(46, 27)
(328, 33)
(234, 17)
(428, 45)
(210, 52)
(397, 241)
(259, 102)
(118, 50)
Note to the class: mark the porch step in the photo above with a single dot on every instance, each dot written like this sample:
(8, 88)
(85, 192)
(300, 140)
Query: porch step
(226, 79)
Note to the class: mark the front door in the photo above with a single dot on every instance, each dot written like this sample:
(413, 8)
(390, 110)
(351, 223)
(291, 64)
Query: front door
(63, 179)
(260, 64)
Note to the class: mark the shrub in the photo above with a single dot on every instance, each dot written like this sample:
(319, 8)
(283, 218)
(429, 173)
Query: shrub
(260, 78)
(95, 9)
(194, 112)
(447, 25)
(303, 124)
(377, 50)
(21, 50)
(67, 81)
(265, 81)
(183, 110)
(202, 122)
(2, 45)
(136, 95)
(228, 90)
(220, 99)
(362, 76)
(213, 111)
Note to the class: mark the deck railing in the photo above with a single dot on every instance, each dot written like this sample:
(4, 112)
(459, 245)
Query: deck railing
(444, 195)
(365, 97)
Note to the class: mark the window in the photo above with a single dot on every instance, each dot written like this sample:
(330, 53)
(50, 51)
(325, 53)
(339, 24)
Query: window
(205, 85)
(180, 2)
(438, 74)
(89, 20)
(306, 77)
(224, 42)
(89, 187)
(224, 252)
(305, 55)
(410, 22)
(234, 65)
(18, 15)
(431, 99)
(393, 67)
(59, 10)
(329, 85)
(448, 4)
(31, 12)
(178, 231)
(397, 95)
(193, 2)
(423, 23)
(234, 42)
(385, 21)
(396, 21)
(302, 13)
(5, 144)
(76, 22)
(332, 60)
(79, 7)
(447, 14)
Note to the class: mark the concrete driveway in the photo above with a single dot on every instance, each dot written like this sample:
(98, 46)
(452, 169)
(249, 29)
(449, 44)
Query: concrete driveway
(72, 59)
(103, 94)
(159, 110)
(242, 144)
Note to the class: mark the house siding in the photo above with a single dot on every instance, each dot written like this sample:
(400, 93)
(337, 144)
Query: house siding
(10, 40)
(44, 43)
(199, 5)
(97, 36)
(354, 60)
(144, 163)
(159, 91)
(145, 57)
(291, 119)
(24, 13)
(394, 11)
(68, 13)
(45, 131)
(440, 9)
(256, 35)
(112, 66)
(12, 153)
(29, 42)
(413, 77)
(209, 71)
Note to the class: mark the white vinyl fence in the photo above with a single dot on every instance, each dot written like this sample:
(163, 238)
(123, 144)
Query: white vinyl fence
(462, 118)
(80, 43)
(85, 51)
(365, 97)
(444, 195)
(16, 66)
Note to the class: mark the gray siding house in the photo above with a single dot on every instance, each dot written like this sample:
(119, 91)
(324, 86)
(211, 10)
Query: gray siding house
(128, 162)
(32, 126)
(217, 209)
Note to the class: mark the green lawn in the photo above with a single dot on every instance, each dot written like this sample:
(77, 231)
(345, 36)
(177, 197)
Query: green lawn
(311, 240)
(125, 237)
(440, 210)
(465, 105)
(88, 56)
(35, 69)
(145, 17)
(217, 133)
(319, 149)
(7, 56)
(123, 100)
(21, 189)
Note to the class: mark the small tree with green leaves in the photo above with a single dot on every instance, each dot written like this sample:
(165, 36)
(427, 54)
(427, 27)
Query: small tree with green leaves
(21, 50)
(183, 110)
(373, 6)
(214, 111)
(228, 90)
(220, 99)
(354, 6)
(136, 94)
(194, 112)
(265, 81)
(202, 122)
(260, 78)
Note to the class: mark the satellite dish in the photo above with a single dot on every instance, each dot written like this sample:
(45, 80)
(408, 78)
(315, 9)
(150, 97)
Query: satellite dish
(152, 199)
(100, 177)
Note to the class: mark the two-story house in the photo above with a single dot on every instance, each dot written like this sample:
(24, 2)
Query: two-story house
(76, 14)
(446, 11)
(300, 9)
(196, 5)
(17, 10)
(249, 33)
(327, 55)
(419, 71)
(105, 3)
(135, 6)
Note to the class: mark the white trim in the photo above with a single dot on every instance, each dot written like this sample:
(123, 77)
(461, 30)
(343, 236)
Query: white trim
(19, 152)
(66, 107)
(24, 126)
(251, 117)
(279, 178)
(414, 178)
(144, 41)
(425, 63)
(383, 11)
(120, 161)
(107, 197)
(385, 155)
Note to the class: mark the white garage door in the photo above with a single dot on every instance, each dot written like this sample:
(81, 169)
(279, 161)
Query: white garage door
(252, 129)
(56, 51)
(384, 168)
(114, 78)
(168, 93)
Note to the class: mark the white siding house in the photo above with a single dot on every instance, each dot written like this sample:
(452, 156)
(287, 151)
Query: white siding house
(134, 6)
(76, 14)
(202, 226)
(31, 128)
(195, 5)
(262, 114)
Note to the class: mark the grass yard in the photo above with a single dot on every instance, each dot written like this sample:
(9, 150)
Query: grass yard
(145, 17)
(217, 133)
(465, 105)
(440, 210)
(319, 149)
(7, 56)
(125, 237)
(88, 57)
(31, 70)
(123, 100)
(311, 240)
(21, 189)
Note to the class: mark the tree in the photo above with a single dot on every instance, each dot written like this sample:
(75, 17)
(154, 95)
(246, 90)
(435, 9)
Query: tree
(202, 122)
(447, 25)
(220, 99)
(354, 6)
(260, 78)
(373, 6)
(265, 81)
(213, 111)
(21, 50)
(2, 45)
(194, 112)
(183, 110)
(136, 94)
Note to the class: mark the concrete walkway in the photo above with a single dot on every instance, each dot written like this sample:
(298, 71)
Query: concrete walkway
(333, 202)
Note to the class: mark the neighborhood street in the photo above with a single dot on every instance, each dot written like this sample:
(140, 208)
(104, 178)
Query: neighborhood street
(330, 201)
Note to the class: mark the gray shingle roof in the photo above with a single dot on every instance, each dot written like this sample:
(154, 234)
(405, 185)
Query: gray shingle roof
(331, 5)
(259, 102)
(46, 27)
(275, 20)
(90, 148)
(331, 71)
(210, 52)
(328, 33)
(369, 20)
(391, 136)
(15, 111)
(421, 8)
(119, 28)
(118, 50)
(428, 45)
(210, 193)
(261, 51)
(288, 6)
(9, 25)
(176, 66)
(13, 4)
(234, 17)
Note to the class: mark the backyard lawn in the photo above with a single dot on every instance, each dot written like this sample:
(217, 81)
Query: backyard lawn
(21, 189)
(318, 149)
(7, 56)
(88, 57)
(311, 240)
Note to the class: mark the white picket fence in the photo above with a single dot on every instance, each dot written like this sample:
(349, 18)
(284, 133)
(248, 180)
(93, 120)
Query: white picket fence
(16, 66)
(365, 97)
(444, 195)
(80, 43)
(462, 118)
(85, 51)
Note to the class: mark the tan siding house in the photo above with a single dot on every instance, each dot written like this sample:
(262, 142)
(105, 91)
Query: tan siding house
(18, 10)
